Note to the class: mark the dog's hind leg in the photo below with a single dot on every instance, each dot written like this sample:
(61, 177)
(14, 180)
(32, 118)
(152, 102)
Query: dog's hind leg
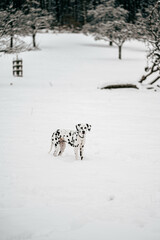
(62, 147)
(57, 149)
(52, 142)
(51, 147)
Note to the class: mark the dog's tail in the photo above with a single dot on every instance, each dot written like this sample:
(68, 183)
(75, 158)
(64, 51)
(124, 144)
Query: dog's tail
(51, 147)
(51, 143)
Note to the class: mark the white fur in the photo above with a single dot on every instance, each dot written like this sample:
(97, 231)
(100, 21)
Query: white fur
(75, 138)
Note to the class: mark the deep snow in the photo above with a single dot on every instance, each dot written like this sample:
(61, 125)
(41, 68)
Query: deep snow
(114, 193)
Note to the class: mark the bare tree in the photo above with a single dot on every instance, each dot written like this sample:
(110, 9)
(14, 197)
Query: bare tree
(109, 23)
(153, 58)
(148, 30)
(12, 28)
(10, 25)
(35, 18)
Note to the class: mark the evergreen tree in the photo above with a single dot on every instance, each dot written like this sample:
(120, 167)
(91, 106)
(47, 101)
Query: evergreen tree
(73, 12)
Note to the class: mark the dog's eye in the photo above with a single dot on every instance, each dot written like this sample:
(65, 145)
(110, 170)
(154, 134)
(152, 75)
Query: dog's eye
(85, 128)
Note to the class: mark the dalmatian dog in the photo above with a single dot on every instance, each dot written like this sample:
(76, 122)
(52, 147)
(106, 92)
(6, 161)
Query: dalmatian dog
(75, 139)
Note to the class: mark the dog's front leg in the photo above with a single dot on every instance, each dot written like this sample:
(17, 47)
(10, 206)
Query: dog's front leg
(76, 152)
(82, 148)
(81, 151)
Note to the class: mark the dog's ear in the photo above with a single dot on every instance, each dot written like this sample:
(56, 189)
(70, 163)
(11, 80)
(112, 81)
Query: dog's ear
(78, 127)
(88, 126)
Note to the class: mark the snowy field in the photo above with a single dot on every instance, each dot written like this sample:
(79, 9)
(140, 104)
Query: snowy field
(114, 193)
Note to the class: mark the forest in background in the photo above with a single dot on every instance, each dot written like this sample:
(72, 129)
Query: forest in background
(115, 21)
(73, 13)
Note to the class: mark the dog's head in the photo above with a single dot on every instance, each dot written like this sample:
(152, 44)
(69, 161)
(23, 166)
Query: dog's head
(83, 128)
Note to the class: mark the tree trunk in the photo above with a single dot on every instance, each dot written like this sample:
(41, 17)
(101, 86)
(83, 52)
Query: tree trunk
(120, 52)
(84, 12)
(11, 42)
(34, 40)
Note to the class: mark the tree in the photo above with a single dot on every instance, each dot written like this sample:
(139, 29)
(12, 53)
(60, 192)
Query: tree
(73, 12)
(109, 23)
(15, 23)
(3, 26)
(11, 24)
(134, 6)
(35, 18)
(153, 38)
(117, 32)
(148, 30)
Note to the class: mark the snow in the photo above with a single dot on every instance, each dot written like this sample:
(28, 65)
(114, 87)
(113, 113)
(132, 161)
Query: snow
(114, 193)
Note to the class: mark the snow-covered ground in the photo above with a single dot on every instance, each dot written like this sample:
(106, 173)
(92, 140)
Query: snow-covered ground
(114, 193)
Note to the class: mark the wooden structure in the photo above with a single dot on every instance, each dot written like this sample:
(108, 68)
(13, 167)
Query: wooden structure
(18, 67)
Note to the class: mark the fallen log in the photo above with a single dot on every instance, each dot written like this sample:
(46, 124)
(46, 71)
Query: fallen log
(115, 86)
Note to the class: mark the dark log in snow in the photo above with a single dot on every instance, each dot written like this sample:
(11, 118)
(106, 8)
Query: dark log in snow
(115, 86)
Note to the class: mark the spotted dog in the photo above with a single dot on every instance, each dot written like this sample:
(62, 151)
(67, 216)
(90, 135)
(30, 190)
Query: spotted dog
(75, 139)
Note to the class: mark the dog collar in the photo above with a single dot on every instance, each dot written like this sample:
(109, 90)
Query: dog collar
(80, 136)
